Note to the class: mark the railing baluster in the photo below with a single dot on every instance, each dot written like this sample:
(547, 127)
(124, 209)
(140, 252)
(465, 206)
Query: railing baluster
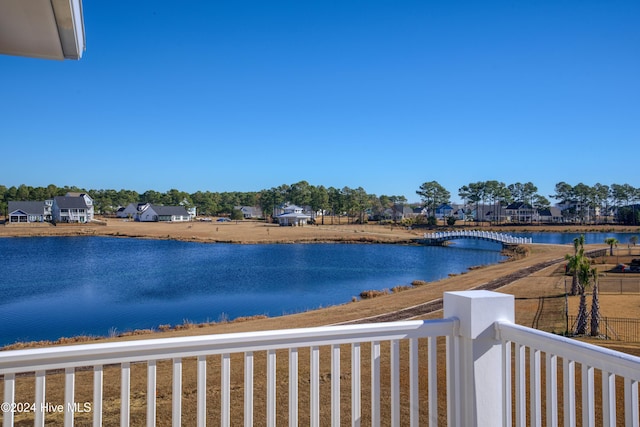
(432, 386)
(551, 382)
(41, 377)
(315, 387)
(506, 384)
(225, 390)
(631, 412)
(569, 392)
(176, 393)
(375, 383)
(248, 389)
(453, 389)
(69, 392)
(356, 386)
(395, 382)
(414, 396)
(9, 399)
(520, 395)
(293, 387)
(271, 388)
(125, 387)
(151, 393)
(335, 385)
(535, 388)
(608, 399)
(202, 391)
(97, 394)
(588, 397)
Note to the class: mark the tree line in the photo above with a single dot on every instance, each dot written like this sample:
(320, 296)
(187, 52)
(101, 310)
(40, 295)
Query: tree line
(356, 203)
(579, 201)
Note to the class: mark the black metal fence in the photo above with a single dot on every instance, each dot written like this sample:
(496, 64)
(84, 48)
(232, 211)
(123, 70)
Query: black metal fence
(619, 285)
(615, 328)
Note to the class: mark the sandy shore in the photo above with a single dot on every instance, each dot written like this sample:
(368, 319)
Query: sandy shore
(221, 232)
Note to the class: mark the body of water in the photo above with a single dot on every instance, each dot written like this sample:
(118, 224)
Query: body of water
(54, 287)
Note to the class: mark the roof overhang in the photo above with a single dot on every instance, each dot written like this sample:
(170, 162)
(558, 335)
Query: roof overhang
(48, 29)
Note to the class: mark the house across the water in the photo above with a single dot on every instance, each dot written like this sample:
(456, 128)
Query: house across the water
(293, 216)
(26, 212)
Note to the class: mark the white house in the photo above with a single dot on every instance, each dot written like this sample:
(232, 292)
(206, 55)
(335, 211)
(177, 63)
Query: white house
(293, 215)
(130, 211)
(74, 207)
(155, 213)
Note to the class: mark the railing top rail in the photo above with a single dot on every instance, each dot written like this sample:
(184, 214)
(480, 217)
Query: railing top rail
(601, 358)
(29, 360)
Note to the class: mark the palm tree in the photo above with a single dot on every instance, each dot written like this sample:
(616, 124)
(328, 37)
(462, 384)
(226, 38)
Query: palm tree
(584, 274)
(574, 262)
(595, 305)
(611, 241)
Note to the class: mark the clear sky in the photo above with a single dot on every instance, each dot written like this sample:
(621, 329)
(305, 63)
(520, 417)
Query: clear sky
(384, 95)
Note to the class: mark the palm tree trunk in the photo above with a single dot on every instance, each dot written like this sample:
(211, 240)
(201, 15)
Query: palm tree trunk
(574, 284)
(581, 321)
(595, 311)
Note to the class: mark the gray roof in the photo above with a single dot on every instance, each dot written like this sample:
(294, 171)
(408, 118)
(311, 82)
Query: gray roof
(170, 210)
(33, 208)
(70, 202)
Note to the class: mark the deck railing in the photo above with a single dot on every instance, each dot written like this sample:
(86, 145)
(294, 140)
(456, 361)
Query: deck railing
(469, 369)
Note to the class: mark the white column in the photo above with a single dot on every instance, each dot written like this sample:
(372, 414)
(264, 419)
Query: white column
(480, 369)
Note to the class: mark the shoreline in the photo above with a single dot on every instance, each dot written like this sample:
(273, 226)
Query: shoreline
(260, 232)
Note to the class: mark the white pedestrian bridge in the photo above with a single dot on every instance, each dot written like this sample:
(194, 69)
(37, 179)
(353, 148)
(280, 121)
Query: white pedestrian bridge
(473, 367)
(440, 238)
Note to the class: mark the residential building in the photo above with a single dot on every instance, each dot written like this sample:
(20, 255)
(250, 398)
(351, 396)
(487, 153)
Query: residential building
(551, 214)
(520, 212)
(293, 216)
(156, 213)
(130, 211)
(444, 211)
(74, 207)
(30, 211)
(249, 212)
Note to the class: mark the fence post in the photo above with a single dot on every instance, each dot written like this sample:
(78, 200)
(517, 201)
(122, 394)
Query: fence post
(480, 372)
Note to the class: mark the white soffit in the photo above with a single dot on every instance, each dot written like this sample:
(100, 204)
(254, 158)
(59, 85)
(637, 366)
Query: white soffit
(49, 29)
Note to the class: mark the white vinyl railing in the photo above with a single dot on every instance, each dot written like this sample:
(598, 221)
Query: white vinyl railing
(70, 359)
(608, 364)
(483, 383)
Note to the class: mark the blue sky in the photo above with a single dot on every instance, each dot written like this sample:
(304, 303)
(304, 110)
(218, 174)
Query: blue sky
(248, 95)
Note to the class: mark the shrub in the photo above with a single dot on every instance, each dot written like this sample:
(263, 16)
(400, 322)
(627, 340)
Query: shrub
(372, 294)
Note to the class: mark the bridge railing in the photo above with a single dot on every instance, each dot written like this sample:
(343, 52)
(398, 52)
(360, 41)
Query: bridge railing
(477, 234)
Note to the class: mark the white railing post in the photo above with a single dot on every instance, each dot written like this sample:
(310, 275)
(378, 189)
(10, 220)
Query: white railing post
(480, 361)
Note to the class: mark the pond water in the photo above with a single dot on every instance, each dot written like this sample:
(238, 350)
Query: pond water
(66, 286)
(54, 287)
